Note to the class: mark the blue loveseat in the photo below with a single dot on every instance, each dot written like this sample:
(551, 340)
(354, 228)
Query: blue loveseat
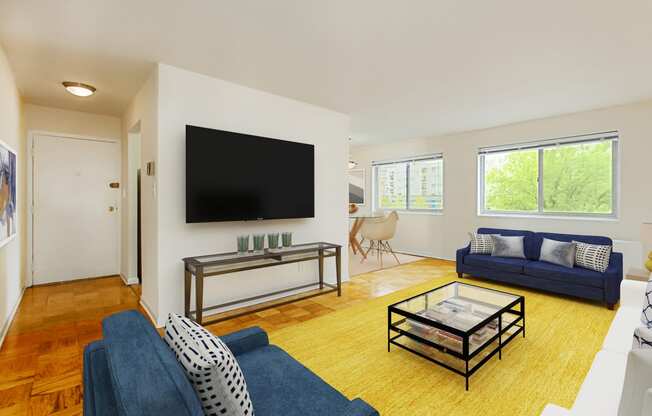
(530, 272)
(131, 371)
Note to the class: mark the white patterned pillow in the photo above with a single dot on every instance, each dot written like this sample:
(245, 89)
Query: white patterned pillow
(210, 366)
(592, 256)
(481, 243)
(646, 314)
(642, 337)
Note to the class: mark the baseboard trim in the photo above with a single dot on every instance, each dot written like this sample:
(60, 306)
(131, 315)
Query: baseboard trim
(129, 281)
(149, 313)
(10, 318)
(417, 254)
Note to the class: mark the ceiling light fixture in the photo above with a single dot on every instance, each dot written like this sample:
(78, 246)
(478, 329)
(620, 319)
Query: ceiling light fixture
(79, 89)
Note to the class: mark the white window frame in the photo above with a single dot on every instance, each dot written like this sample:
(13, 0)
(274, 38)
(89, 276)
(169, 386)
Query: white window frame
(540, 145)
(376, 194)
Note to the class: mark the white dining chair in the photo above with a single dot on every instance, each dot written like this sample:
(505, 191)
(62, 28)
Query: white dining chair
(378, 232)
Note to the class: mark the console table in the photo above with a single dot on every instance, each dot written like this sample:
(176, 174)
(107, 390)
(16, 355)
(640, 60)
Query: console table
(219, 264)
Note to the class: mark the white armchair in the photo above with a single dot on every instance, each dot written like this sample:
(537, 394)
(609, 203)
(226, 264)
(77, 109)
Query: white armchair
(616, 370)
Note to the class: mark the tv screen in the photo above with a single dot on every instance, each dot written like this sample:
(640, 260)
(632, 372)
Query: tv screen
(234, 176)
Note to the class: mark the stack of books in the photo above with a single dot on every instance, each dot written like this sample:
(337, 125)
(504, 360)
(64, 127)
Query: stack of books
(456, 313)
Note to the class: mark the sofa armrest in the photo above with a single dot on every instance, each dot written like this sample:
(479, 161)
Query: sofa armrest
(459, 257)
(359, 407)
(554, 410)
(246, 340)
(647, 402)
(613, 277)
(632, 293)
(99, 397)
(146, 377)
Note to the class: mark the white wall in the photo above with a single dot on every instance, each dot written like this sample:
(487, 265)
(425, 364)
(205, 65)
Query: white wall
(189, 98)
(143, 110)
(440, 235)
(12, 132)
(55, 120)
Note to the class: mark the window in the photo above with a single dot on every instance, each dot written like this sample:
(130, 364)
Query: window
(414, 184)
(570, 176)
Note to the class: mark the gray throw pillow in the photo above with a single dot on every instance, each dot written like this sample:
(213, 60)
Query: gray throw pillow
(558, 252)
(508, 246)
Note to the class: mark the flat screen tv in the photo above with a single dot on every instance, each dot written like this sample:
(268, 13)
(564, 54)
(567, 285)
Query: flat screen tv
(234, 176)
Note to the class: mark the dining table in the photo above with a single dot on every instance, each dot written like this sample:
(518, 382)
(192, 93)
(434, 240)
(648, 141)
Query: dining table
(358, 220)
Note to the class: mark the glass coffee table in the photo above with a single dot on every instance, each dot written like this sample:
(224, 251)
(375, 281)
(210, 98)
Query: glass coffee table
(457, 326)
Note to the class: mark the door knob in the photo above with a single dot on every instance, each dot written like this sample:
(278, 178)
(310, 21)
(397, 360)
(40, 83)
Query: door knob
(111, 209)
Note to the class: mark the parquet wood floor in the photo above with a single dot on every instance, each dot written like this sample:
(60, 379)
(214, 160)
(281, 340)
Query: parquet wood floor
(41, 357)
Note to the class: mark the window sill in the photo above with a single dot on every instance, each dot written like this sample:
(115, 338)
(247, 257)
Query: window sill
(550, 217)
(440, 212)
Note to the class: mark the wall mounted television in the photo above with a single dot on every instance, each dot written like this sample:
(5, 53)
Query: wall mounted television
(234, 176)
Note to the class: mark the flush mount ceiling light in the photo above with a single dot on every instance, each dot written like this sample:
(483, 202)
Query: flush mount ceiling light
(79, 89)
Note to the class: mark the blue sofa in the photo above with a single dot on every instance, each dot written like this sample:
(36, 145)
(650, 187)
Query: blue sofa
(131, 371)
(530, 272)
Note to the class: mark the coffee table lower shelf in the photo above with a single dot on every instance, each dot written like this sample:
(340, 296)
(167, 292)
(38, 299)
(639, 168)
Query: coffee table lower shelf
(492, 346)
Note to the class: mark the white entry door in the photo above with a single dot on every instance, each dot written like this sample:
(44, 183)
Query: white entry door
(75, 214)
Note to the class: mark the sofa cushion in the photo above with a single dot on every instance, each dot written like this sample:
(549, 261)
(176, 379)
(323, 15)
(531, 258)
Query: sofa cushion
(646, 313)
(642, 338)
(513, 246)
(146, 377)
(536, 239)
(592, 256)
(211, 367)
(280, 385)
(495, 263)
(531, 250)
(558, 252)
(481, 243)
(576, 275)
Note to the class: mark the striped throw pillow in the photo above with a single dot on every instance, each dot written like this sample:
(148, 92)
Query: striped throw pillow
(481, 243)
(210, 366)
(592, 256)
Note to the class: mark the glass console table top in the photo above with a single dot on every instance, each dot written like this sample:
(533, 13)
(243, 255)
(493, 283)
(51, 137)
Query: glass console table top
(253, 256)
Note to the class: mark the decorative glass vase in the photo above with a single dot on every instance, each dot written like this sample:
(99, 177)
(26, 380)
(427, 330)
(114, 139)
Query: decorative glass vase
(287, 239)
(243, 244)
(259, 243)
(272, 240)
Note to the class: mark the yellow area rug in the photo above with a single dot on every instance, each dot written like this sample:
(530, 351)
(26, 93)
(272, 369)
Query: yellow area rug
(348, 349)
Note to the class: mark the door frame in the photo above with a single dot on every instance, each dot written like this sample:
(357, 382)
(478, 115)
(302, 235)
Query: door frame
(29, 191)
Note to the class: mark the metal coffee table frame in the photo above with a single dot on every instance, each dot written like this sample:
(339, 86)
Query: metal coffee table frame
(465, 355)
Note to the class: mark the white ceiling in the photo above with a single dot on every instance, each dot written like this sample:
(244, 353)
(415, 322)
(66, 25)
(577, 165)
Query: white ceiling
(401, 69)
